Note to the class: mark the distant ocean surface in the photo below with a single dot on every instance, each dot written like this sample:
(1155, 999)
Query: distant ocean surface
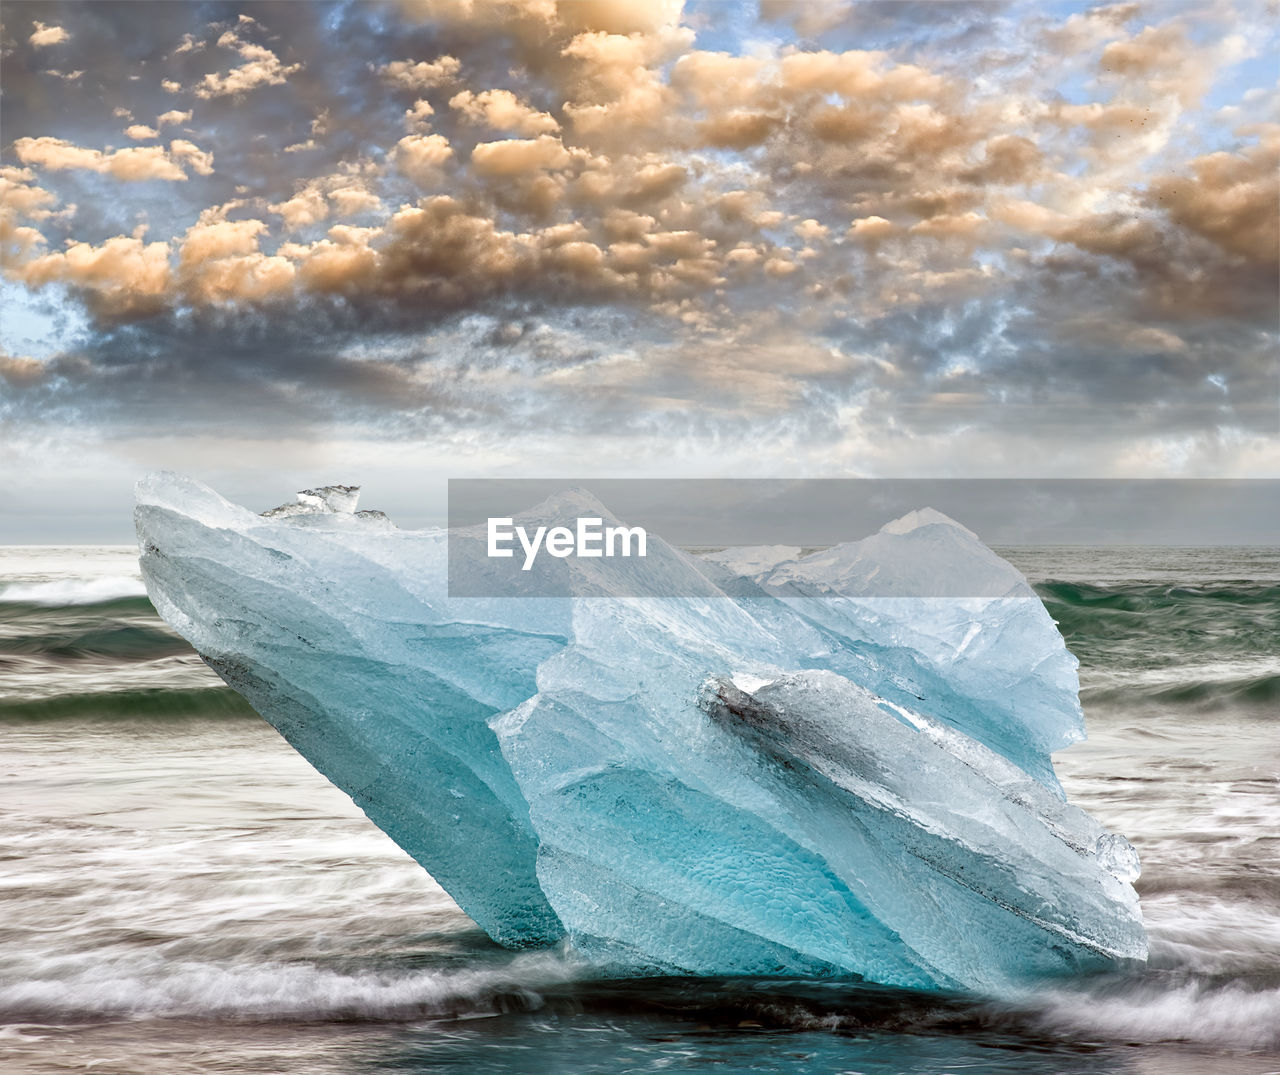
(181, 892)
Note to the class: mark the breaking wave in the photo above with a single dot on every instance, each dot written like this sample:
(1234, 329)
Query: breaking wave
(1226, 1016)
(60, 593)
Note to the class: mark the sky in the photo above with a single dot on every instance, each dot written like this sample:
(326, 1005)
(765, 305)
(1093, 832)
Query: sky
(277, 245)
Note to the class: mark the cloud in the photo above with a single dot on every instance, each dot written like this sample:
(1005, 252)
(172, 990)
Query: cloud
(623, 214)
(1230, 199)
(122, 276)
(308, 206)
(188, 44)
(44, 36)
(344, 193)
(517, 156)
(420, 157)
(423, 75)
(192, 156)
(417, 118)
(19, 194)
(133, 164)
(1165, 61)
(262, 67)
(503, 111)
(219, 262)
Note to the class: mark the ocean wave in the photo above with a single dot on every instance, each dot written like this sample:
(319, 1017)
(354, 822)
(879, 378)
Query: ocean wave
(162, 704)
(63, 592)
(1252, 684)
(1177, 613)
(1227, 1016)
(1262, 691)
(118, 644)
(284, 991)
(102, 638)
(1148, 597)
(1171, 644)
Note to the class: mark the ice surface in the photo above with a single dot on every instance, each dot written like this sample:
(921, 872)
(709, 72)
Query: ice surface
(330, 625)
(934, 617)
(339, 499)
(782, 771)
(751, 560)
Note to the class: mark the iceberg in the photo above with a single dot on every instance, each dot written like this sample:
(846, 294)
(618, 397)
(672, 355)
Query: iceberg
(834, 764)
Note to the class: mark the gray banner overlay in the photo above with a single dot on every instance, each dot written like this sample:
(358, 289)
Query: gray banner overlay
(502, 531)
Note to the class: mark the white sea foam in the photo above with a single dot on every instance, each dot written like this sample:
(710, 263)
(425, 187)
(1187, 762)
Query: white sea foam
(274, 990)
(1231, 1017)
(74, 591)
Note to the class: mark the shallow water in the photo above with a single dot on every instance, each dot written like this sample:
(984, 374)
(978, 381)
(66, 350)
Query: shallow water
(182, 892)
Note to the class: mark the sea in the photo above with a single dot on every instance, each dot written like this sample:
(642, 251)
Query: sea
(181, 892)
